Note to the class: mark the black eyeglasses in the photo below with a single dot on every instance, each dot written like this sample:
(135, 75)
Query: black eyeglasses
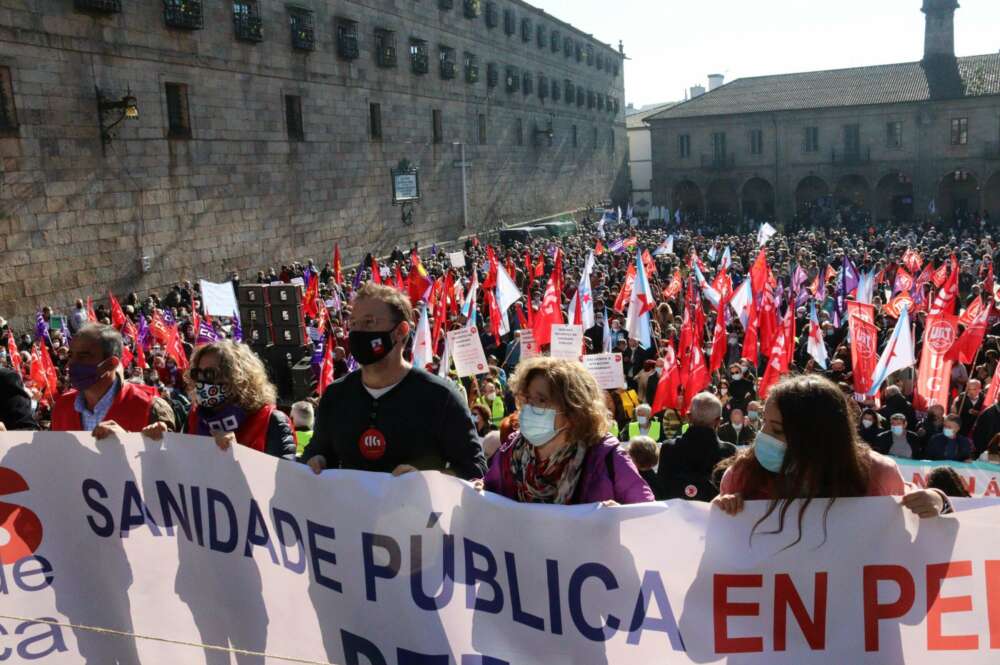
(206, 375)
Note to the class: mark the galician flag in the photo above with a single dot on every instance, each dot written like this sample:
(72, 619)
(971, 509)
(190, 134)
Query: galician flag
(898, 352)
(640, 304)
(507, 294)
(765, 233)
(422, 353)
(815, 345)
(469, 306)
(581, 308)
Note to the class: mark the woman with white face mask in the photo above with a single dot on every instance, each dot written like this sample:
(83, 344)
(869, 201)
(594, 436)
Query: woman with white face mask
(808, 449)
(562, 453)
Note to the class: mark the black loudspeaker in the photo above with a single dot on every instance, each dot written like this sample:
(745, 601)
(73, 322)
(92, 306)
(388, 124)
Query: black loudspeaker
(253, 316)
(257, 335)
(279, 361)
(303, 379)
(252, 295)
(286, 315)
(285, 294)
(289, 336)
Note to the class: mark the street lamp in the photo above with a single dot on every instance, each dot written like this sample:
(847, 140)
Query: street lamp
(127, 106)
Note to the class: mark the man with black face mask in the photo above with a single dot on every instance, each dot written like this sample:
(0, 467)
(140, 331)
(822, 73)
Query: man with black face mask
(391, 417)
(100, 401)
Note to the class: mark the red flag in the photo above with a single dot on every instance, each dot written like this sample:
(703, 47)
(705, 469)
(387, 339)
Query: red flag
(675, 286)
(934, 376)
(489, 299)
(864, 353)
(621, 302)
(697, 373)
(903, 283)
(972, 338)
(895, 306)
(127, 356)
(669, 383)
(599, 248)
(988, 286)
(338, 274)
(398, 283)
(912, 260)
(140, 356)
(91, 316)
(777, 364)
(723, 283)
(418, 280)
(991, 394)
(550, 312)
(37, 372)
(117, 315)
(14, 354)
(309, 305)
(863, 311)
(491, 274)
(158, 328)
(758, 273)
(376, 273)
(326, 369)
(522, 320)
(719, 345)
(175, 349)
(49, 370)
(944, 300)
(768, 321)
(648, 263)
(750, 335)
(940, 275)
(971, 312)
(540, 266)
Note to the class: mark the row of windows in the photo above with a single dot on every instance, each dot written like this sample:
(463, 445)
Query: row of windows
(249, 27)
(437, 130)
(811, 144)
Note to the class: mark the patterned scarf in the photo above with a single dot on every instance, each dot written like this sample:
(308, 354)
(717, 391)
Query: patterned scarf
(550, 481)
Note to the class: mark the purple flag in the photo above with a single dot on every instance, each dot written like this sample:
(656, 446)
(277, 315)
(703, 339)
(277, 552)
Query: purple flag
(41, 328)
(357, 276)
(206, 333)
(237, 328)
(143, 332)
(352, 364)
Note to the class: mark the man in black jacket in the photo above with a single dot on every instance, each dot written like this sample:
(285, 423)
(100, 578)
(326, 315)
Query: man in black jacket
(685, 470)
(15, 404)
(899, 440)
(895, 403)
(986, 428)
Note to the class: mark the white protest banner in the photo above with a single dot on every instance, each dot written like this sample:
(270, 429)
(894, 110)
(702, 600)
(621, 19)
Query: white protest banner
(137, 551)
(298, 281)
(567, 342)
(980, 478)
(607, 369)
(529, 349)
(218, 299)
(457, 259)
(467, 352)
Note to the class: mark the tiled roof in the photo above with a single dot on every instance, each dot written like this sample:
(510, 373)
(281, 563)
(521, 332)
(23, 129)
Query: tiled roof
(636, 120)
(972, 76)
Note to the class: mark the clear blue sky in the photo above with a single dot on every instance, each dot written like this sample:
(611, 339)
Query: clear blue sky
(674, 44)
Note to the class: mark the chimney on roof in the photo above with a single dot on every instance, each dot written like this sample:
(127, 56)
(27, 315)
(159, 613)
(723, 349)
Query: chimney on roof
(697, 91)
(939, 33)
(715, 81)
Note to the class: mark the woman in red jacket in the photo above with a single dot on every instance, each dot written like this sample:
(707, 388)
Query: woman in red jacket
(234, 400)
(808, 448)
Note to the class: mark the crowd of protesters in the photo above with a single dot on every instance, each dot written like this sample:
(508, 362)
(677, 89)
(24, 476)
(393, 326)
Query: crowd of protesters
(540, 429)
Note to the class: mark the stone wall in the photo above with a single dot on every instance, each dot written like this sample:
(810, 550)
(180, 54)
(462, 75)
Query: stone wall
(239, 194)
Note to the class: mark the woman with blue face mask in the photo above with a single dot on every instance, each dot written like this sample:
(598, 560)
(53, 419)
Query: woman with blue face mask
(808, 448)
(562, 453)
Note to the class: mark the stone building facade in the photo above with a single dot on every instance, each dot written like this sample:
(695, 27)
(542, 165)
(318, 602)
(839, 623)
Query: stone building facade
(898, 141)
(266, 131)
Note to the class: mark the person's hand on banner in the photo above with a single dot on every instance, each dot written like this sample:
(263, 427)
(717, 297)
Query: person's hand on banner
(731, 504)
(155, 431)
(404, 469)
(3, 428)
(108, 428)
(925, 503)
(478, 485)
(224, 440)
(317, 463)
(610, 503)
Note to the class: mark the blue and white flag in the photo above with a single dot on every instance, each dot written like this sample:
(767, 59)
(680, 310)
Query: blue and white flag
(898, 353)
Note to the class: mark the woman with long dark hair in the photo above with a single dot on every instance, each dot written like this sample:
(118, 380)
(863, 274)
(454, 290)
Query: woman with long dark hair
(808, 448)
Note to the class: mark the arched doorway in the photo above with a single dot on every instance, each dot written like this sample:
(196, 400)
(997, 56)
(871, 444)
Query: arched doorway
(758, 200)
(958, 194)
(991, 197)
(811, 192)
(723, 201)
(687, 198)
(894, 198)
(852, 190)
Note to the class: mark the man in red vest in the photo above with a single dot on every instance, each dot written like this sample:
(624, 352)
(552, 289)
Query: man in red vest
(100, 401)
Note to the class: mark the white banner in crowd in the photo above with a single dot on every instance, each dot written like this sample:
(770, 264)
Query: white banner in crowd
(139, 552)
(218, 299)
(529, 349)
(567, 342)
(457, 259)
(467, 352)
(607, 369)
(980, 478)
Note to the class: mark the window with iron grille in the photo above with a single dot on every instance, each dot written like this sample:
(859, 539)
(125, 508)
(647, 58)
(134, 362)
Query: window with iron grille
(509, 21)
(810, 141)
(568, 89)
(568, 46)
(556, 90)
(960, 131)
(481, 128)
(446, 55)
(183, 14)
(472, 8)
(419, 58)
(575, 136)
(347, 38)
(540, 36)
(518, 132)
(894, 134)
(756, 141)
(600, 102)
(303, 29)
(525, 29)
(555, 41)
(293, 118)
(590, 55)
(528, 83)
(513, 80)
(436, 126)
(178, 118)
(445, 5)
(247, 21)
(8, 112)
(616, 106)
(581, 97)
(375, 121)
(590, 99)
(492, 75)
(543, 86)
(492, 16)
(615, 68)
(471, 68)
(385, 47)
(98, 6)
(578, 51)
(684, 146)
(600, 62)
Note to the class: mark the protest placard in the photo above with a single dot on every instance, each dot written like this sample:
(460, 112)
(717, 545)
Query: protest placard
(567, 342)
(457, 259)
(529, 349)
(467, 352)
(607, 369)
(218, 299)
